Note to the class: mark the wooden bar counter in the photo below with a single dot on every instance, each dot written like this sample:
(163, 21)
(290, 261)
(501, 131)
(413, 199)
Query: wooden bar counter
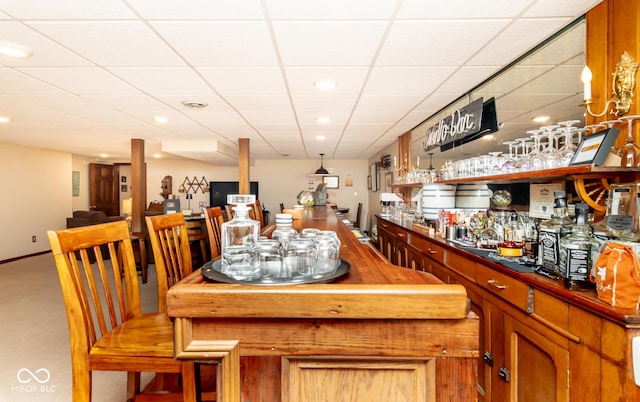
(378, 333)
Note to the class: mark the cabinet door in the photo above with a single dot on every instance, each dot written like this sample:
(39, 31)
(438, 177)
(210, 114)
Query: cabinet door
(401, 254)
(538, 368)
(415, 259)
(385, 242)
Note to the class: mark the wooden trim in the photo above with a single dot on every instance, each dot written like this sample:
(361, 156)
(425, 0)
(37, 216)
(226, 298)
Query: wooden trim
(24, 256)
(227, 353)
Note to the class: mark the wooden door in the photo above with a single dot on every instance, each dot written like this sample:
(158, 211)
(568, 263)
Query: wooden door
(104, 189)
(538, 367)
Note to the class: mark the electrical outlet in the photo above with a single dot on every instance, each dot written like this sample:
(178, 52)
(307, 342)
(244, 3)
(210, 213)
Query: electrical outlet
(33, 239)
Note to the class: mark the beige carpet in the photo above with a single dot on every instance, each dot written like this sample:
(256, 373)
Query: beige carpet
(35, 365)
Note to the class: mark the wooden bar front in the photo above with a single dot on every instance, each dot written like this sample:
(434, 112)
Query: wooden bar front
(380, 332)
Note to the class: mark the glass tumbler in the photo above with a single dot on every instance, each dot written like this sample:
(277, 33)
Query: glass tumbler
(300, 259)
(270, 259)
(328, 251)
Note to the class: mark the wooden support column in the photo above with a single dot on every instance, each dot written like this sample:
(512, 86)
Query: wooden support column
(613, 27)
(243, 166)
(404, 151)
(138, 185)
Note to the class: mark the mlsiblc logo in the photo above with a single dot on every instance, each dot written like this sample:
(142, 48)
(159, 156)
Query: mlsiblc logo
(33, 382)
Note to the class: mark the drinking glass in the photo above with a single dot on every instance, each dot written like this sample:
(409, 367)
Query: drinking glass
(300, 259)
(270, 259)
(629, 152)
(328, 250)
(550, 153)
(509, 164)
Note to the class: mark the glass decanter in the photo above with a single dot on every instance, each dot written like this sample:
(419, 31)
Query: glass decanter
(239, 238)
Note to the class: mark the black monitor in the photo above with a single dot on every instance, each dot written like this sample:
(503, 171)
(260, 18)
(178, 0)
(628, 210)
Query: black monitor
(218, 191)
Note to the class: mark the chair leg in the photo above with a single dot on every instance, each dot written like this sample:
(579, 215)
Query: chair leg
(81, 384)
(188, 382)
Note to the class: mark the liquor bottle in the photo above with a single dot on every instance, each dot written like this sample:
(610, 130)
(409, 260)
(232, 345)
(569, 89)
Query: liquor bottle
(550, 233)
(239, 239)
(578, 252)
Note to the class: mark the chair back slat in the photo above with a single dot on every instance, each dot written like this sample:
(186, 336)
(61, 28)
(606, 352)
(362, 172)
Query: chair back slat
(214, 220)
(98, 296)
(171, 252)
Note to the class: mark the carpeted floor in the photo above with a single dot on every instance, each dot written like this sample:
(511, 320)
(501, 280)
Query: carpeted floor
(36, 363)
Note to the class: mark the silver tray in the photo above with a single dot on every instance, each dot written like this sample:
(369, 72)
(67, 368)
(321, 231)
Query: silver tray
(211, 271)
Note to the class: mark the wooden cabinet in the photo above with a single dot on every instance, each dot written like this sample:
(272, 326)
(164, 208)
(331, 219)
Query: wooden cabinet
(537, 340)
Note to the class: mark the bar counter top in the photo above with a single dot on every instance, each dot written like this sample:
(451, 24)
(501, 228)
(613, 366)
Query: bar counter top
(375, 312)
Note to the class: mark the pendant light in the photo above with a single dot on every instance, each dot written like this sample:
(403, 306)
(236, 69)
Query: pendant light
(322, 170)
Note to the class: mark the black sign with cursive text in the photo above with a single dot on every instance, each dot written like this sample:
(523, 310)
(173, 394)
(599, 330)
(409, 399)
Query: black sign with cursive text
(461, 123)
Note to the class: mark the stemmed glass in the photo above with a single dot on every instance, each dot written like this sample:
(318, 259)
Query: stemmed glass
(523, 163)
(629, 152)
(534, 155)
(509, 164)
(550, 154)
(496, 162)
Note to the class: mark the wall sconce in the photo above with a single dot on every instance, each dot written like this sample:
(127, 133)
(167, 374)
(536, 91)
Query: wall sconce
(624, 80)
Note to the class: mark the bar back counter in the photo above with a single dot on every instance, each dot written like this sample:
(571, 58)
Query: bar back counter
(538, 340)
(377, 333)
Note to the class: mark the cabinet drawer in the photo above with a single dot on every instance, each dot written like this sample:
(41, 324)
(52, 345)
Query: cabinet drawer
(396, 231)
(509, 289)
(461, 265)
(427, 247)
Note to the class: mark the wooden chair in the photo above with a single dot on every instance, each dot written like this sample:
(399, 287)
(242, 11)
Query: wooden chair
(171, 251)
(197, 235)
(214, 220)
(107, 329)
(257, 213)
(356, 223)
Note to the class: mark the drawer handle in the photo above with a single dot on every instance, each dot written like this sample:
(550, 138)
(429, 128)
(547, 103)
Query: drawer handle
(493, 282)
(432, 251)
(402, 235)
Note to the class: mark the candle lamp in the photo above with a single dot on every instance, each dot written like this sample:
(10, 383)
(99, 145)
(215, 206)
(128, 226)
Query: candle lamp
(624, 80)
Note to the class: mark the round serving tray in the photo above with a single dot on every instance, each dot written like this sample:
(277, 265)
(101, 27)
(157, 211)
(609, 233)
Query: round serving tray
(211, 271)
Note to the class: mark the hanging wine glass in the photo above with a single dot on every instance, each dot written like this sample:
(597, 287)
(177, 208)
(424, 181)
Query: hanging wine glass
(550, 153)
(496, 162)
(629, 152)
(535, 154)
(523, 163)
(509, 164)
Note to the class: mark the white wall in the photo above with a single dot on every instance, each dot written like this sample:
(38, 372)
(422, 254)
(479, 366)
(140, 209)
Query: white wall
(38, 189)
(36, 196)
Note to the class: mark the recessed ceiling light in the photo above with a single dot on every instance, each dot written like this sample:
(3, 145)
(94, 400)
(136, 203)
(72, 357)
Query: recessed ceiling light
(321, 137)
(323, 120)
(104, 156)
(488, 137)
(324, 84)
(11, 49)
(5, 119)
(161, 119)
(194, 104)
(541, 119)
(157, 156)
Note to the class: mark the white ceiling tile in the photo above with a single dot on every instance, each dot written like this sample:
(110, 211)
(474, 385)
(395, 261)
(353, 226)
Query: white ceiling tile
(220, 43)
(109, 43)
(437, 42)
(330, 9)
(328, 43)
(255, 81)
(67, 9)
(45, 51)
(349, 80)
(566, 8)
(128, 102)
(160, 81)
(198, 9)
(406, 80)
(20, 83)
(81, 80)
(518, 38)
(462, 9)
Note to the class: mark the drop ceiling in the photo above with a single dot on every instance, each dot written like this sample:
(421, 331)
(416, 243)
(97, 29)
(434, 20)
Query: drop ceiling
(101, 71)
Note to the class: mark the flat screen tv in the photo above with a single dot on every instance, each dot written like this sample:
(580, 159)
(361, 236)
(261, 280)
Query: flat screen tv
(218, 191)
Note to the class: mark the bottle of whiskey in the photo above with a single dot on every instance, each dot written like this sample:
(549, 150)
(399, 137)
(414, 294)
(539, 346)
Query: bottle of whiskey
(550, 233)
(578, 252)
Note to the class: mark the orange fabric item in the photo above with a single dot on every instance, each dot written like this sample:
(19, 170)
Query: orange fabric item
(617, 276)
